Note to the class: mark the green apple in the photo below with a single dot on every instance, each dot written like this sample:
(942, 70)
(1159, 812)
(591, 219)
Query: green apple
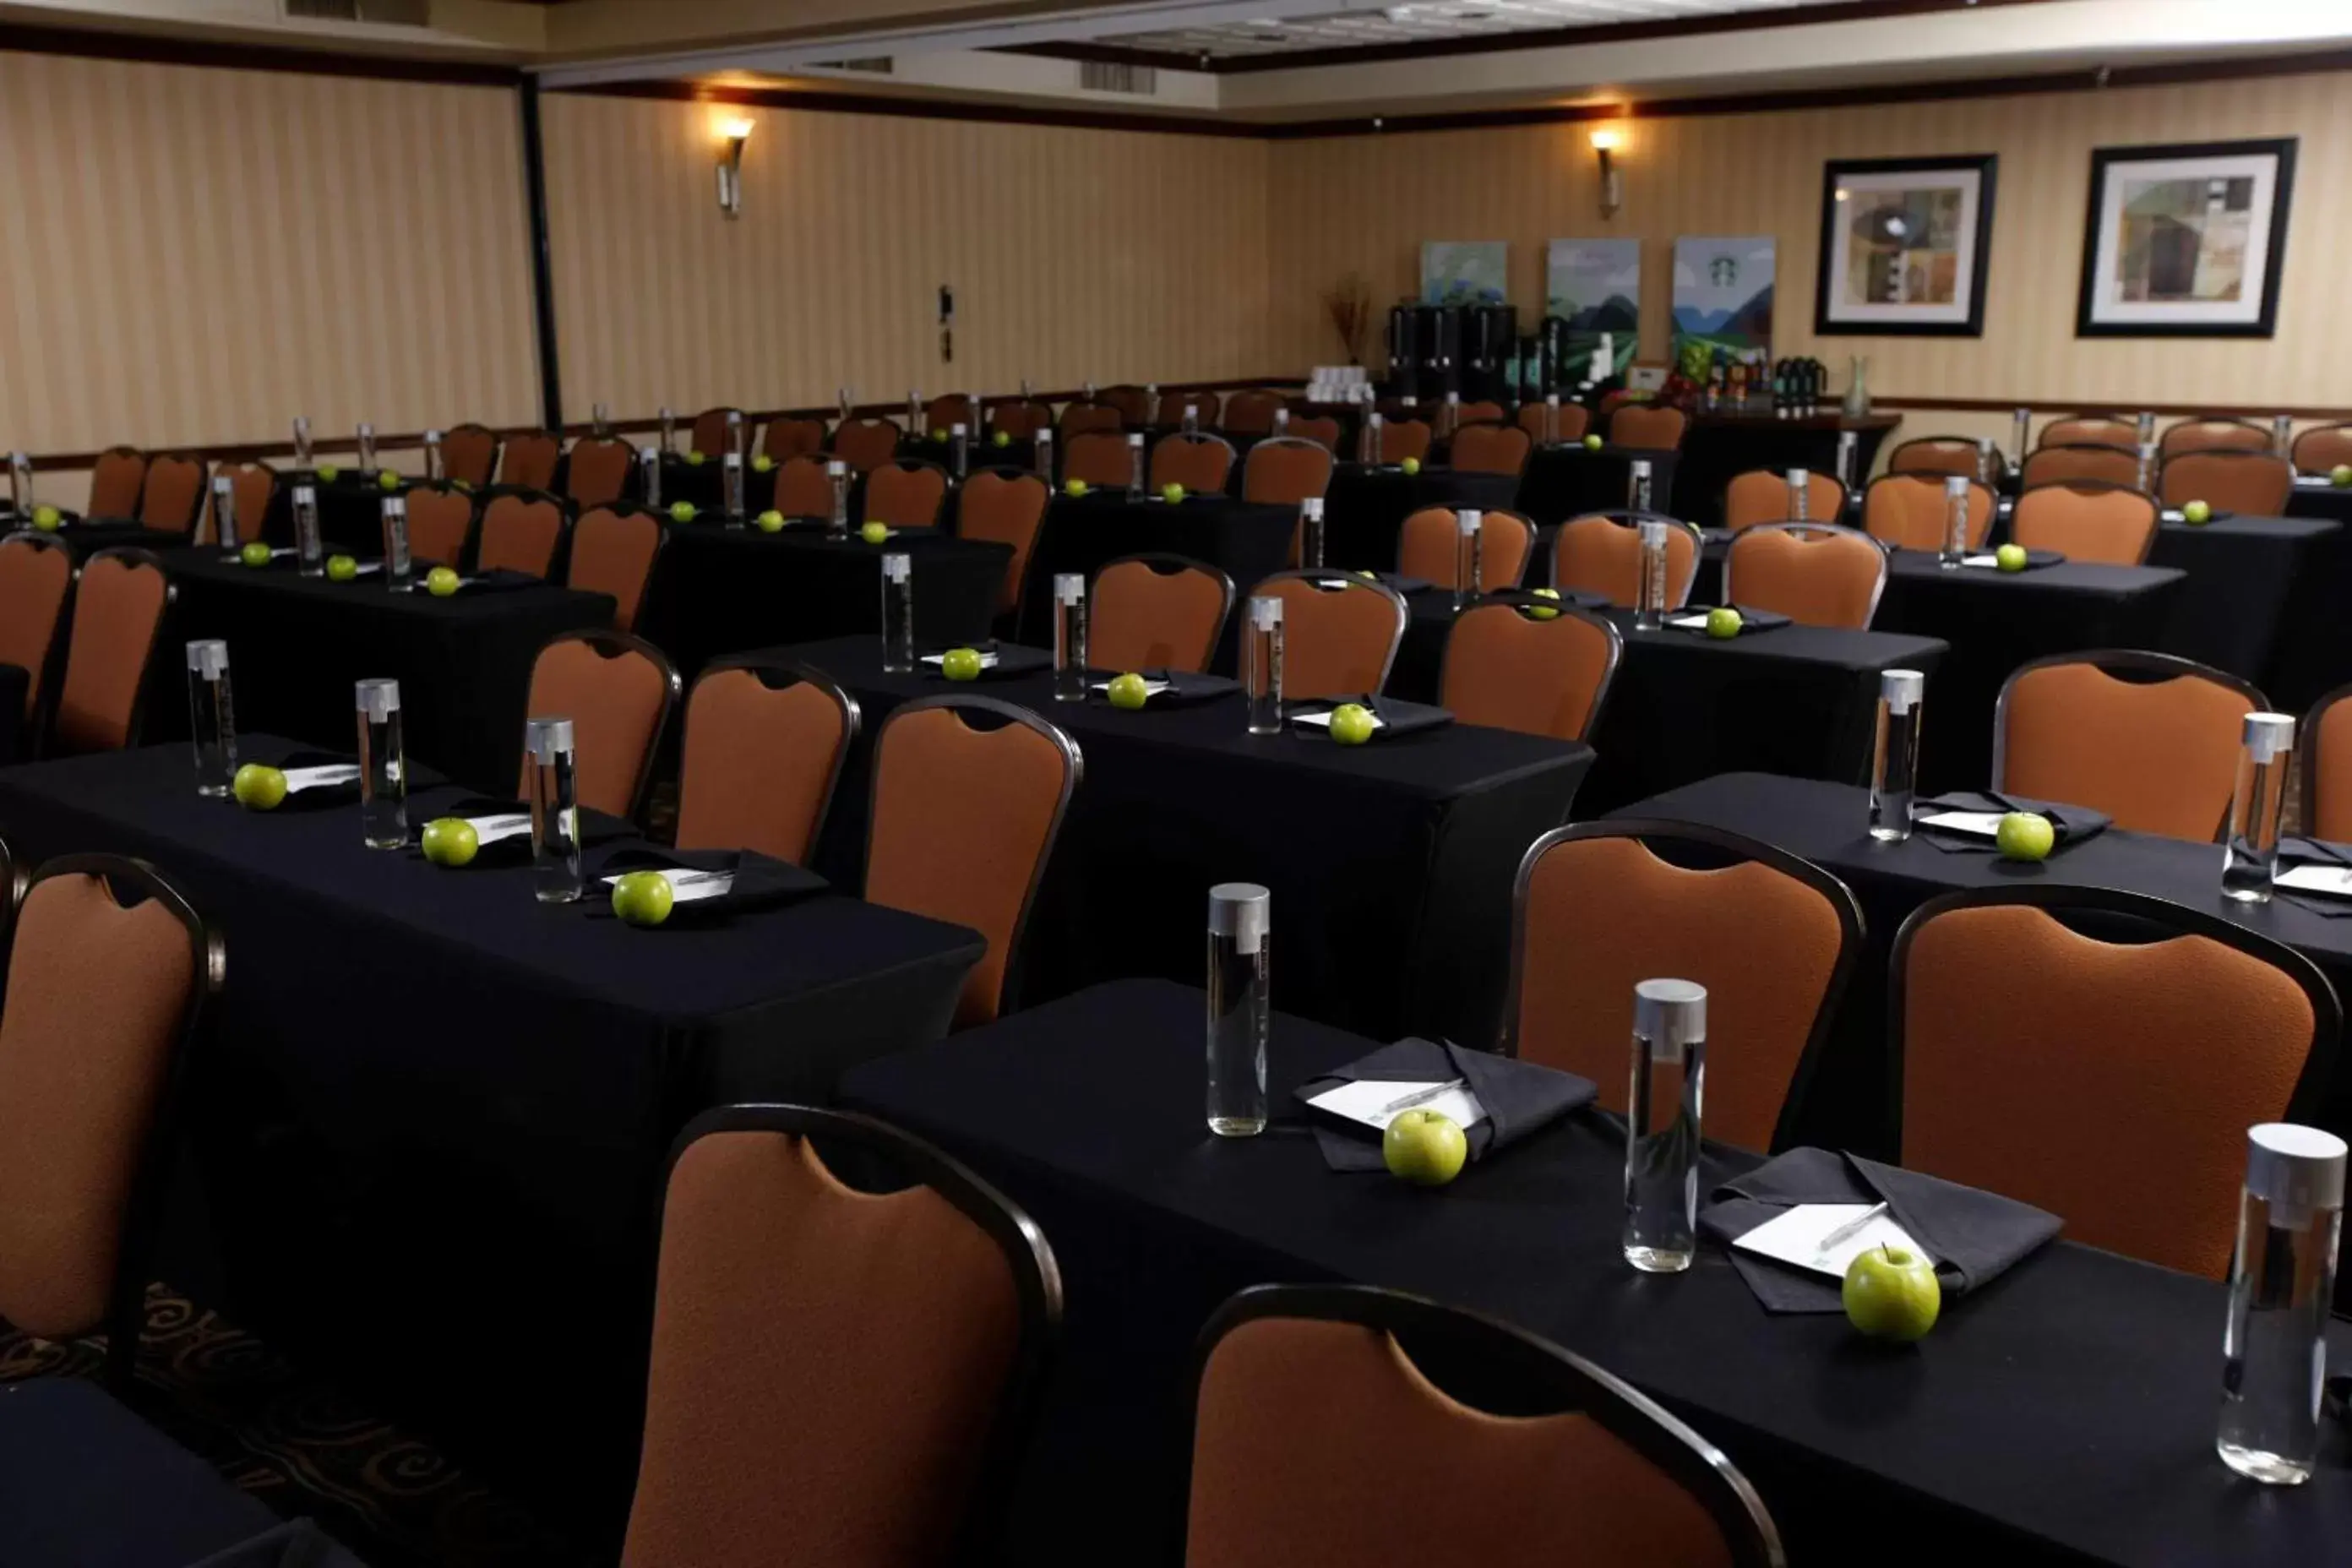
(1128, 691)
(2010, 558)
(1411, 466)
(681, 511)
(1892, 1294)
(770, 521)
(2024, 836)
(258, 787)
(1544, 612)
(47, 518)
(327, 472)
(341, 568)
(763, 463)
(441, 582)
(1002, 439)
(1075, 488)
(465, 485)
(875, 532)
(2340, 476)
(940, 436)
(2196, 514)
(1722, 622)
(1171, 493)
(644, 897)
(1352, 724)
(694, 460)
(450, 841)
(1593, 443)
(1369, 576)
(254, 555)
(386, 478)
(961, 664)
(1424, 1147)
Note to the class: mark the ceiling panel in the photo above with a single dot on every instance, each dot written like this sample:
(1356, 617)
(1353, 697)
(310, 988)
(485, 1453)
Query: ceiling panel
(1426, 21)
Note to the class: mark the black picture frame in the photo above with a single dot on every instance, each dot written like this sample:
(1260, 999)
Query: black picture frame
(2103, 160)
(1986, 166)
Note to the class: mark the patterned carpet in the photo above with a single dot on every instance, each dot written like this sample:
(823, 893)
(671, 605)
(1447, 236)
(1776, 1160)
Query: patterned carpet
(299, 1447)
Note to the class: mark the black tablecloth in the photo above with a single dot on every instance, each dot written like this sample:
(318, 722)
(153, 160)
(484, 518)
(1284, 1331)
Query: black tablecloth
(2067, 1410)
(351, 509)
(1390, 864)
(1365, 509)
(296, 643)
(1718, 447)
(2313, 654)
(1571, 479)
(83, 540)
(1083, 532)
(15, 733)
(720, 590)
(2249, 579)
(2332, 502)
(704, 484)
(435, 1113)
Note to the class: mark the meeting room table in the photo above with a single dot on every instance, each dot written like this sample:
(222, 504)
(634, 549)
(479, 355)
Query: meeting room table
(2064, 1414)
(2248, 581)
(1246, 540)
(433, 1114)
(2319, 496)
(350, 507)
(1720, 444)
(703, 485)
(84, 537)
(1570, 479)
(15, 722)
(1365, 508)
(1393, 861)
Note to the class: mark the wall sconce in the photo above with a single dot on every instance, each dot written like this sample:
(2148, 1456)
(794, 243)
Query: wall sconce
(1605, 144)
(734, 134)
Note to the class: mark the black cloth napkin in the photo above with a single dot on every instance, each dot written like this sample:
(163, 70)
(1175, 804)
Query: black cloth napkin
(297, 1543)
(513, 850)
(2172, 514)
(2074, 823)
(1975, 1237)
(2294, 852)
(2034, 559)
(1520, 1097)
(493, 582)
(1012, 662)
(1750, 620)
(1396, 716)
(326, 797)
(1185, 686)
(760, 881)
(1402, 584)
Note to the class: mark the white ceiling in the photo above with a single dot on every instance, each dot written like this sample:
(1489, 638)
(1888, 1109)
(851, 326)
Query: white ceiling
(1422, 21)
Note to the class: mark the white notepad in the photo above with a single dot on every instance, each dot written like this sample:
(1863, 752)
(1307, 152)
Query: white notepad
(509, 825)
(1795, 1237)
(987, 660)
(1977, 823)
(1322, 720)
(1150, 688)
(1366, 1101)
(2333, 881)
(1689, 623)
(687, 885)
(1991, 561)
(323, 777)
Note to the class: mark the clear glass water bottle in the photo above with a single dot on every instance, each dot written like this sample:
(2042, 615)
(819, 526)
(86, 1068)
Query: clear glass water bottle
(1192, 425)
(383, 766)
(1894, 755)
(960, 450)
(599, 420)
(915, 423)
(1469, 557)
(649, 472)
(668, 419)
(366, 445)
(844, 402)
(2147, 429)
(1984, 459)
(2250, 861)
(20, 484)
(1310, 533)
(1368, 439)
(1449, 418)
(301, 442)
(1662, 1125)
(1847, 451)
(2282, 1280)
(2021, 431)
(309, 550)
(1241, 1009)
(1135, 466)
(738, 435)
(436, 468)
(1551, 419)
(1282, 421)
(1069, 636)
(898, 612)
(1262, 665)
(2282, 434)
(1800, 495)
(731, 487)
(836, 477)
(225, 513)
(212, 717)
(395, 545)
(1955, 522)
(1637, 484)
(2148, 468)
(1043, 463)
(1650, 588)
(554, 811)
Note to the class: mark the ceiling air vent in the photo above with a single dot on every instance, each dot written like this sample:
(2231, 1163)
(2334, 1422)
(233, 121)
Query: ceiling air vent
(395, 12)
(1102, 76)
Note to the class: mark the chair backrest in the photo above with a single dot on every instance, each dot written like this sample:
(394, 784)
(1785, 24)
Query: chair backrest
(1429, 546)
(764, 742)
(1936, 455)
(1508, 671)
(36, 579)
(1907, 510)
(1648, 427)
(1009, 508)
(1773, 938)
(947, 410)
(1157, 612)
(2086, 460)
(116, 481)
(2322, 448)
(1602, 554)
(1402, 438)
(906, 494)
(440, 524)
(1097, 457)
(1574, 419)
(1312, 1403)
(1490, 448)
(2326, 744)
(174, 497)
(2091, 429)
(804, 488)
(118, 610)
(1250, 411)
(1322, 429)
(710, 432)
(1019, 418)
(2214, 435)
(1200, 463)
(521, 531)
(2086, 520)
(600, 470)
(1485, 411)
(470, 455)
(2254, 483)
(2110, 1082)
(1761, 495)
(2159, 756)
(617, 690)
(848, 1371)
(865, 443)
(1081, 418)
(1205, 407)
(788, 437)
(1340, 633)
(1133, 402)
(614, 549)
(250, 486)
(528, 462)
(1284, 470)
(975, 855)
(1816, 574)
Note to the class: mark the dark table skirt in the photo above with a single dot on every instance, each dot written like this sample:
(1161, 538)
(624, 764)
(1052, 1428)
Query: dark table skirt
(1718, 447)
(16, 729)
(2250, 581)
(1365, 509)
(1083, 533)
(1569, 481)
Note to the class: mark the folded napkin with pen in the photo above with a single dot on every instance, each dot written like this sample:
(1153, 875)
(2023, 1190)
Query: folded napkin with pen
(501, 827)
(1168, 688)
(318, 781)
(1692, 618)
(709, 884)
(2316, 876)
(1975, 815)
(1391, 716)
(1503, 1099)
(1973, 1236)
(998, 661)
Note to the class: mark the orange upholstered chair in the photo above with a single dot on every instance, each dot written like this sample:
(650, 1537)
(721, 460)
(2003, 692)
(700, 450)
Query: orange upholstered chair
(250, 486)
(1320, 428)
(949, 410)
(36, 579)
(614, 549)
(1007, 509)
(617, 690)
(1340, 634)
(2214, 436)
(1574, 419)
(2254, 483)
(2322, 448)
(2109, 1082)
(709, 434)
(119, 612)
(2091, 429)
(2086, 520)
(865, 443)
(103, 995)
(116, 482)
(1770, 936)
(1760, 495)
(1937, 455)
(1602, 554)
(1816, 574)
(1133, 404)
(1205, 405)
(788, 437)
(1198, 463)
(1402, 438)
(175, 496)
(440, 524)
(764, 742)
(972, 857)
(846, 1369)
(1157, 612)
(1485, 411)
(1097, 457)
(1429, 546)
(1019, 418)
(1250, 411)
(1490, 448)
(529, 463)
(1082, 418)
(1907, 510)
(1284, 470)
(601, 469)
(1508, 671)
(470, 455)
(1647, 428)
(906, 494)
(1309, 1411)
(522, 531)
(2159, 756)
(2326, 742)
(804, 487)
(2087, 461)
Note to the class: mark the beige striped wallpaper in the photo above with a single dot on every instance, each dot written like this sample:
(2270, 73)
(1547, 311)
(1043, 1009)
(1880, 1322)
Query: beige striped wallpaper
(195, 255)
(1075, 254)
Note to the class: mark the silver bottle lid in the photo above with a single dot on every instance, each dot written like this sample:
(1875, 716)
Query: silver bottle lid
(1652, 535)
(1045, 435)
(835, 468)
(304, 495)
(1640, 468)
(208, 657)
(547, 739)
(1670, 1015)
(1900, 690)
(1264, 611)
(1452, 398)
(959, 428)
(1312, 506)
(1552, 398)
(1242, 910)
(898, 566)
(2296, 1168)
(1984, 445)
(1956, 487)
(396, 506)
(1799, 477)
(1069, 588)
(2026, 414)
(731, 460)
(224, 486)
(380, 698)
(1135, 438)
(367, 432)
(1467, 521)
(1373, 419)
(2269, 736)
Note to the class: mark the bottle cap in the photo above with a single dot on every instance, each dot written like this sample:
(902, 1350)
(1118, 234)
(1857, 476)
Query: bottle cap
(1311, 507)
(1242, 910)
(2296, 1168)
(305, 496)
(208, 657)
(1640, 468)
(1467, 521)
(396, 506)
(1956, 486)
(959, 428)
(547, 739)
(1069, 588)
(380, 699)
(835, 468)
(1670, 1015)
(432, 438)
(898, 566)
(2269, 736)
(1264, 611)
(1900, 689)
(1652, 535)
(1799, 478)
(223, 485)
(1135, 438)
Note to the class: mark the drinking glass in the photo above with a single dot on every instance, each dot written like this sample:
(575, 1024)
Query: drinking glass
(898, 612)
(383, 766)
(1262, 665)
(225, 513)
(1240, 1008)
(212, 717)
(554, 811)
(2282, 1278)
(309, 550)
(1069, 636)
(395, 545)
(1662, 1125)
(2250, 862)
(1894, 755)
